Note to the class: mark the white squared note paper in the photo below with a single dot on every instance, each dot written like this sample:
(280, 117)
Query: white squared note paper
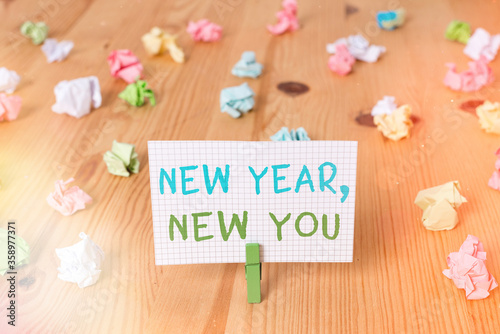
(211, 198)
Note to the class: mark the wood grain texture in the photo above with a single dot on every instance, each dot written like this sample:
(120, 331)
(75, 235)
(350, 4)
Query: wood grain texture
(394, 285)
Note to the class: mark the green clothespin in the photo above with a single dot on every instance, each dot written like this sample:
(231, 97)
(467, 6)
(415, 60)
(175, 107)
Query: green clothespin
(253, 273)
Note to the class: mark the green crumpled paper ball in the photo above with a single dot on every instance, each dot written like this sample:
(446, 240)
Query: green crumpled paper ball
(458, 31)
(22, 251)
(136, 93)
(122, 159)
(38, 32)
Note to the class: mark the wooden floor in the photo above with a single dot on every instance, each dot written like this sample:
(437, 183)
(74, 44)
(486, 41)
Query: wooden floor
(395, 283)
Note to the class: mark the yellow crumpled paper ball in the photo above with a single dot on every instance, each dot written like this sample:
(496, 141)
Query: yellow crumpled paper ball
(489, 116)
(157, 42)
(439, 204)
(395, 125)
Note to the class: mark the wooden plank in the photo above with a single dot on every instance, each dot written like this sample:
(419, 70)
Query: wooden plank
(394, 284)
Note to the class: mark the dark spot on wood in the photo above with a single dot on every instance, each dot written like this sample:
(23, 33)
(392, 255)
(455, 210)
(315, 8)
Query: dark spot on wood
(7, 3)
(27, 281)
(350, 9)
(365, 119)
(293, 88)
(471, 105)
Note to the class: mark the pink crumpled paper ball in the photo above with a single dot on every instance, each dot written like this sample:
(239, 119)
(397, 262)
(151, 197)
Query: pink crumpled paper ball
(287, 18)
(124, 64)
(68, 200)
(468, 269)
(494, 181)
(341, 62)
(204, 30)
(478, 75)
(10, 106)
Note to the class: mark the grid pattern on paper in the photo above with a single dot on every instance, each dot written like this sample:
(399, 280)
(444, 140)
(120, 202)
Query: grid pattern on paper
(242, 197)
